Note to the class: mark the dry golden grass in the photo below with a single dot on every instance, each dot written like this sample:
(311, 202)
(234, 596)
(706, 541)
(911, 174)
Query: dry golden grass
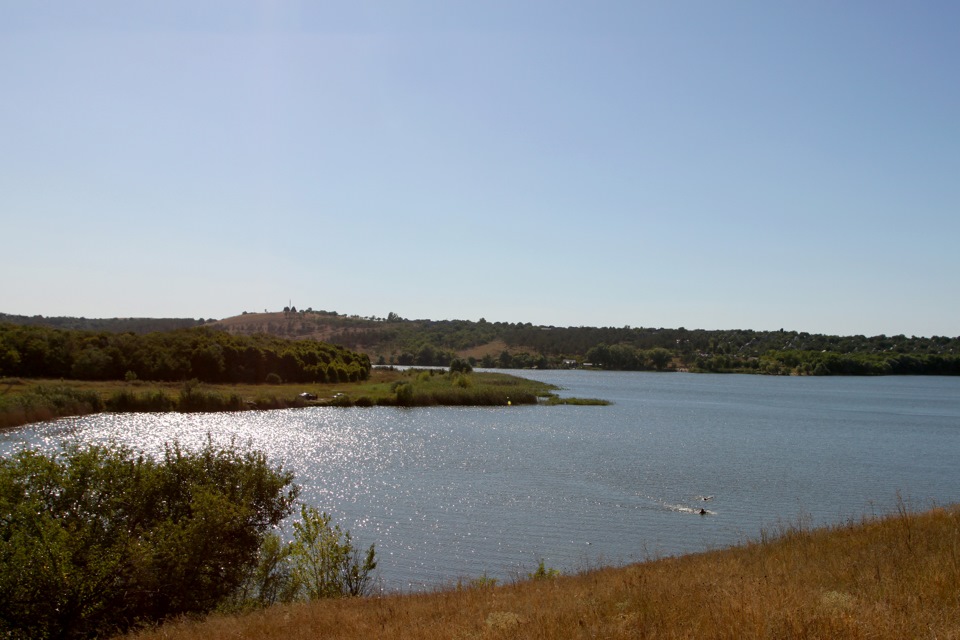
(893, 578)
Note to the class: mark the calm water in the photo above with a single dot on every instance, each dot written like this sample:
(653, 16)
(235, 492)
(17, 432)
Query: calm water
(447, 493)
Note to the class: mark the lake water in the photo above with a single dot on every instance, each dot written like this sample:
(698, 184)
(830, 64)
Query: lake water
(448, 493)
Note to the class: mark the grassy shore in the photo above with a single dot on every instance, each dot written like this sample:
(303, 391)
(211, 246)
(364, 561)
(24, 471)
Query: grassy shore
(26, 401)
(896, 577)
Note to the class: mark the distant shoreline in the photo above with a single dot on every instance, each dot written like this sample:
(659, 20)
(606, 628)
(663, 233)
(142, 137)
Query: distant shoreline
(28, 401)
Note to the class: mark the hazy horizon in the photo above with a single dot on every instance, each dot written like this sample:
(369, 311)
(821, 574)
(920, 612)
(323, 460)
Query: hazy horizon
(456, 319)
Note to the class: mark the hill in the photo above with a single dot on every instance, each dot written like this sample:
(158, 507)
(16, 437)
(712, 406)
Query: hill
(114, 325)
(395, 340)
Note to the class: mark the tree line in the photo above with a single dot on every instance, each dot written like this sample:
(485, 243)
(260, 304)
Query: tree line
(830, 363)
(113, 325)
(397, 340)
(200, 353)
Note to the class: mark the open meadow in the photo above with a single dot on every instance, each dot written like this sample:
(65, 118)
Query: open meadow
(895, 577)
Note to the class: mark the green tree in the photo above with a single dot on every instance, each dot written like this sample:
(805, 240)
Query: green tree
(9, 360)
(325, 562)
(272, 581)
(599, 355)
(460, 366)
(426, 356)
(659, 358)
(92, 364)
(97, 539)
(405, 393)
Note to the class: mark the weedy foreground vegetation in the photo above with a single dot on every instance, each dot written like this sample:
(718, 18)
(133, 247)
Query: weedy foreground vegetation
(895, 577)
(100, 539)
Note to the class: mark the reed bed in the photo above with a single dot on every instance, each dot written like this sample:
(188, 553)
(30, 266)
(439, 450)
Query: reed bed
(894, 577)
(46, 401)
(26, 401)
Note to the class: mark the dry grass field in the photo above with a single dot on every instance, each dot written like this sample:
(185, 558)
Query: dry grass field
(896, 577)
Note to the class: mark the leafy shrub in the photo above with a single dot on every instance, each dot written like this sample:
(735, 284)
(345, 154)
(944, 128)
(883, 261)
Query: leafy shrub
(325, 562)
(460, 366)
(543, 572)
(320, 562)
(271, 581)
(462, 380)
(97, 539)
(404, 392)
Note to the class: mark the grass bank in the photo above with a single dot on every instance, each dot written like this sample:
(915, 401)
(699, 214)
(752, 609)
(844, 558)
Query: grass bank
(26, 401)
(896, 577)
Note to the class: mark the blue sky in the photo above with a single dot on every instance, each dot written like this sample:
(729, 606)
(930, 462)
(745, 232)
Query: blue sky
(716, 165)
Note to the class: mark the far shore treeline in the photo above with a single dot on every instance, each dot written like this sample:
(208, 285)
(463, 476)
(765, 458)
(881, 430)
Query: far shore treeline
(298, 349)
(200, 353)
(519, 345)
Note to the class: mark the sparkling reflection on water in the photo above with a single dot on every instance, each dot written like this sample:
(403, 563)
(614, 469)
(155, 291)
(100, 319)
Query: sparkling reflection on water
(448, 493)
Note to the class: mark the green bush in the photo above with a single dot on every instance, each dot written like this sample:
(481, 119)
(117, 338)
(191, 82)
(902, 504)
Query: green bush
(404, 392)
(270, 582)
(320, 562)
(98, 539)
(460, 366)
(325, 562)
(462, 380)
(543, 572)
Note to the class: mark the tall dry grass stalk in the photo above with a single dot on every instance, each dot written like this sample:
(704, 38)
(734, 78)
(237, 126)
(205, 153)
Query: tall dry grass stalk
(896, 577)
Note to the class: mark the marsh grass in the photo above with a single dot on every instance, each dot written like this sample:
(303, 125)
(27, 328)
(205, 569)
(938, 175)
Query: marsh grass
(436, 387)
(45, 401)
(896, 577)
(25, 401)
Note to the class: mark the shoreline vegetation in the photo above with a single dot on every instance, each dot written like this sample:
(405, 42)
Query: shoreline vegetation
(25, 401)
(892, 577)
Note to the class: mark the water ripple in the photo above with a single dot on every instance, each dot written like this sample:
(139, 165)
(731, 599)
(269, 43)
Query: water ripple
(453, 493)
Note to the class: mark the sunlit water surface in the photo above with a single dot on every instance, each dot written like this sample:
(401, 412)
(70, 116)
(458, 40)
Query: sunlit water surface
(450, 493)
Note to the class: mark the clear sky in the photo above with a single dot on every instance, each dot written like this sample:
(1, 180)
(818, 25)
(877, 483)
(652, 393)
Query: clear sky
(699, 164)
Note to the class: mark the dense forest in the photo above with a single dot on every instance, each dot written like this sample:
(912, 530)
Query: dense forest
(396, 340)
(114, 325)
(200, 353)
